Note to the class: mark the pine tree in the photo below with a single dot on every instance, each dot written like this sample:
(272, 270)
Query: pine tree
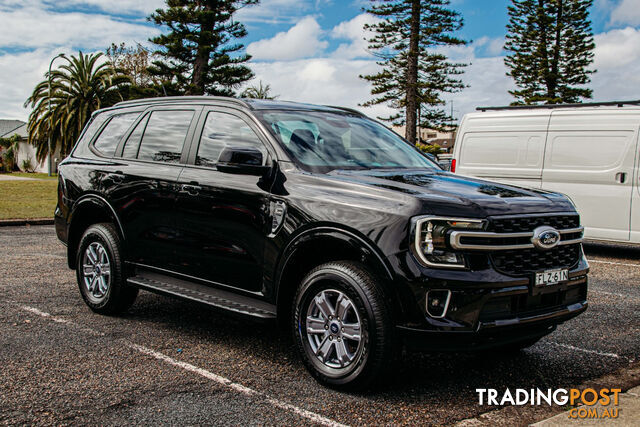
(414, 73)
(200, 54)
(550, 45)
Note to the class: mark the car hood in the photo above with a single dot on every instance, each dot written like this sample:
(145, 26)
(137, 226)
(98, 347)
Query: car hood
(444, 193)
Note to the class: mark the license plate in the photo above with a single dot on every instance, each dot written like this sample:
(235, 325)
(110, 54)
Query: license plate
(551, 277)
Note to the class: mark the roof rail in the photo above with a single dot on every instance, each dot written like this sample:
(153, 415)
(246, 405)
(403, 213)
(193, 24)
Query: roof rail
(552, 106)
(349, 110)
(169, 99)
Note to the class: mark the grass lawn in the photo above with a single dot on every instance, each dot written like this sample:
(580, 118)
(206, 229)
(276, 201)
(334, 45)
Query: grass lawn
(32, 175)
(27, 199)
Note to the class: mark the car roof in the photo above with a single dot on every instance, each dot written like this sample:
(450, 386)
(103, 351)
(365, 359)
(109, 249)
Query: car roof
(251, 104)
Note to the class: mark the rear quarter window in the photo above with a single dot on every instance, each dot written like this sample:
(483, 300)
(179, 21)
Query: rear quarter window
(95, 123)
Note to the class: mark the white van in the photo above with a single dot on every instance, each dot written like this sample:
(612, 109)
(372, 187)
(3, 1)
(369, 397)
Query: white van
(587, 151)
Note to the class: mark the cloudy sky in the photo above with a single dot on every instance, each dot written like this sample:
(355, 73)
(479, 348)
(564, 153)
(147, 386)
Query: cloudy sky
(307, 50)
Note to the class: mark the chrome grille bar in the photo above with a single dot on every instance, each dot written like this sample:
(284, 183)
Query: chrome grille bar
(456, 236)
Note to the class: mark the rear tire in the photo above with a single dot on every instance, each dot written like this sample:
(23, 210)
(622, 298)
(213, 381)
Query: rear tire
(343, 326)
(100, 271)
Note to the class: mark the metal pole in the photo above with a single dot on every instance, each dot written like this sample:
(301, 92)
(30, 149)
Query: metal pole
(61, 55)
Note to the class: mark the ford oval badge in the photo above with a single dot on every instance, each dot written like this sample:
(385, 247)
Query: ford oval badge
(545, 237)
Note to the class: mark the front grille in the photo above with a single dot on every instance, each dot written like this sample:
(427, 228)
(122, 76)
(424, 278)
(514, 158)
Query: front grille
(530, 223)
(523, 261)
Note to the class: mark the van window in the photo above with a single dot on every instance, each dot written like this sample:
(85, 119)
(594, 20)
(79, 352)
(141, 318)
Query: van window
(490, 150)
(112, 133)
(224, 130)
(590, 150)
(164, 136)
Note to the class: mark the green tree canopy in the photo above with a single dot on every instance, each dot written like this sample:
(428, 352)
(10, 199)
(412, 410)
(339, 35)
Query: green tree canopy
(78, 88)
(200, 53)
(11, 147)
(550, 48)
(415, 72)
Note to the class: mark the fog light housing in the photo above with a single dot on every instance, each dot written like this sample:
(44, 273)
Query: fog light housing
(437, 302)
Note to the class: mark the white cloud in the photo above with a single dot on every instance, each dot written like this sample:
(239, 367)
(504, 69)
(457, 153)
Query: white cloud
(626, 12)
(330, 81)
(34, 28)
(19, 73)
(492, 45)
(121, 7)
(301, 41)
(617, 59)
(276, 11)
(354, 31)
(32, 33)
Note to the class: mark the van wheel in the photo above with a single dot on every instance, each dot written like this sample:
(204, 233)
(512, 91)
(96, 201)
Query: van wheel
(343, 326)
(100, 271)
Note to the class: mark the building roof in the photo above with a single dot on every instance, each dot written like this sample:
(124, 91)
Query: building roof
(11, 127)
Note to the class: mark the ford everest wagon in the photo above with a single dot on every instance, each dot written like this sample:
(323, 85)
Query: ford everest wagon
(318, 217)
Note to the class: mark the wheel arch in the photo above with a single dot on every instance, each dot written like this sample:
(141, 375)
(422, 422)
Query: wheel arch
(320, 245)
(88, 210)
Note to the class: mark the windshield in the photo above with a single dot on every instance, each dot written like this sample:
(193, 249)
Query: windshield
(322, 142)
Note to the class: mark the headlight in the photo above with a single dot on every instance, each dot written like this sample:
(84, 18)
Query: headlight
(431, 246)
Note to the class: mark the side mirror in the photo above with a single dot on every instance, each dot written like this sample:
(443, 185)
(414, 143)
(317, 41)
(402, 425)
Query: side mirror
(242, 161)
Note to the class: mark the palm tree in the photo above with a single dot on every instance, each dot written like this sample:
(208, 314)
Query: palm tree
(258, 92)
(78, 88)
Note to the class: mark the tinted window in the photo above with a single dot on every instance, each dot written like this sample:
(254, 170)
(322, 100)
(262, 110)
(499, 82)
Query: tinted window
(82, 146)
(133, 143)
(113, 132)
(324, 141)
(225, 130)
(164, 136)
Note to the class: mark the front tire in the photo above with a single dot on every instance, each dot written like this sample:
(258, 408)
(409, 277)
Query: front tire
(100, 271)
(343, 326)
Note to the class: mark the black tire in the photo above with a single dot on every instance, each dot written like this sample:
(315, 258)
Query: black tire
(118, 296)
(377, 349)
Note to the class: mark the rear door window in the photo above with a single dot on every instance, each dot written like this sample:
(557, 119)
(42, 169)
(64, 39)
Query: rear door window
(164, 136)
(112, 133)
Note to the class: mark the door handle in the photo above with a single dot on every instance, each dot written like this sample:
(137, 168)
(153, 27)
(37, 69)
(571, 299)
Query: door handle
(192, 190)
(621, 177)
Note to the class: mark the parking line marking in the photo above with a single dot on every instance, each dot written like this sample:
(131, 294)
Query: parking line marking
(311, 416)
(57, 319)
(584, 350)
(613, 263)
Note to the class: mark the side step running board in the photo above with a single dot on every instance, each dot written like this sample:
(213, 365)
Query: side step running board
(204, 294)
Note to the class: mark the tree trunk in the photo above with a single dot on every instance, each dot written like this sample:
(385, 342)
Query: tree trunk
(543, 50)
(201, 62)
(552, 81)
(412, 73)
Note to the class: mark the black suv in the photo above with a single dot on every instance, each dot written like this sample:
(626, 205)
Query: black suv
(321, 218)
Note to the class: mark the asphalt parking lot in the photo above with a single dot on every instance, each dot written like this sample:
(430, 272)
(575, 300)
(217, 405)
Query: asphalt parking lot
(174, 362)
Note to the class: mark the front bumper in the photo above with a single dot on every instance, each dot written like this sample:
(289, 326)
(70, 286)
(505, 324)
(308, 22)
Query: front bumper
(491, 334)
(486, 308)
